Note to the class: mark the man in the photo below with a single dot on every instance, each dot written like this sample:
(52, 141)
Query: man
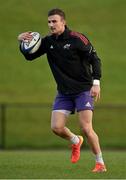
(77, 71)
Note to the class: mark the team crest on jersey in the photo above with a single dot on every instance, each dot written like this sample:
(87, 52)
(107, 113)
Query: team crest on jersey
(67, 46)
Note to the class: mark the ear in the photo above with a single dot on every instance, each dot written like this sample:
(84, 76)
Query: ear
(64, 22)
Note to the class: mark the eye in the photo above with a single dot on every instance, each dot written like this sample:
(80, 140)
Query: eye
(53, 21)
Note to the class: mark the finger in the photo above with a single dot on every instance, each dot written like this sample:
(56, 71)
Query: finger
(97, 97)
(27, 37)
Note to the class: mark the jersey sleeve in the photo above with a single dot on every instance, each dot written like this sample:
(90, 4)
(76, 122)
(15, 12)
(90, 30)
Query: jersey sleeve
(38, 53)
(87, 50)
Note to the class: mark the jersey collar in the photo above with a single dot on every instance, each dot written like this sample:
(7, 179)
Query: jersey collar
(64, 35)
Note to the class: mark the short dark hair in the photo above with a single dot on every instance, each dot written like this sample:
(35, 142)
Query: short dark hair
(57, 11)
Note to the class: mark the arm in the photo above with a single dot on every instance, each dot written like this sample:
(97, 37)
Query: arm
(87, 49)
(96, 73)
(38, 53)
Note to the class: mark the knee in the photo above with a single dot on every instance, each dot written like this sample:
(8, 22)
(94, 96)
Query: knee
(57, 130)
(87, 131)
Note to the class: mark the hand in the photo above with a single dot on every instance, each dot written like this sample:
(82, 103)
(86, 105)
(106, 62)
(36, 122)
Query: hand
(95, 92)
(25, 36)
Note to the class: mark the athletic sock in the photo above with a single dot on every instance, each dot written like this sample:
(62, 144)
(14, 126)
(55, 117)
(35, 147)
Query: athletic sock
(99, 158)
(75, 139)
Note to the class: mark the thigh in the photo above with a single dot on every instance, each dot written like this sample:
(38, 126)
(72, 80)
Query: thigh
(85, 118)
(58, 119)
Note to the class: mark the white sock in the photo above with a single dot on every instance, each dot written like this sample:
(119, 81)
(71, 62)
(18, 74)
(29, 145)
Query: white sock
(99, 158)
(75, 139)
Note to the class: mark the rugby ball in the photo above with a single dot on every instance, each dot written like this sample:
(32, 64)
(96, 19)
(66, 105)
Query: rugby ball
(33, 45)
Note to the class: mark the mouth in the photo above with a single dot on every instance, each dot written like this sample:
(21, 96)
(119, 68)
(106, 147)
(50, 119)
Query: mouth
(52, 29)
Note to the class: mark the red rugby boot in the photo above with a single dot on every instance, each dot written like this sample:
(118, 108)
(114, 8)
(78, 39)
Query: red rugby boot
(76, 150)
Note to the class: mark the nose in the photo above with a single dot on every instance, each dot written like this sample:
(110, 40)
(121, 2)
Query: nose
(50, 24)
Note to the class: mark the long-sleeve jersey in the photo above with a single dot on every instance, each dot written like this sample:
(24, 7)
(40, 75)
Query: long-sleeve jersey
(72, 59)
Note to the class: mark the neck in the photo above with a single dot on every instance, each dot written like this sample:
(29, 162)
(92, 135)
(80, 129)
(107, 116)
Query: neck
(59, 33)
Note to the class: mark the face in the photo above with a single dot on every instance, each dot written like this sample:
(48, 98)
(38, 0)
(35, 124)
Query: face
(56, 24)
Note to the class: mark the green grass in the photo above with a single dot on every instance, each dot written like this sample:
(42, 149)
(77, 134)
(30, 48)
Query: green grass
(56, 165)
(103, 22)
(22, 81)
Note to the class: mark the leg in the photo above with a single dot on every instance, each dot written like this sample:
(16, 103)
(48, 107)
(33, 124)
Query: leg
(64, 104)
(85, 117)
(86, 124)
(58, 122)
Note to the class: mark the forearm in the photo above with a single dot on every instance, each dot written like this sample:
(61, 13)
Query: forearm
(96, 67)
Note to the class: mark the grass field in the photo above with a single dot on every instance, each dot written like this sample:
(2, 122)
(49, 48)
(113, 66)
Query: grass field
(23, 81)
(103, 22)
(56, 165)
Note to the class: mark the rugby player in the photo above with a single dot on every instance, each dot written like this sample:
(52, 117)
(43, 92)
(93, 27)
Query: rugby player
(76, 68)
